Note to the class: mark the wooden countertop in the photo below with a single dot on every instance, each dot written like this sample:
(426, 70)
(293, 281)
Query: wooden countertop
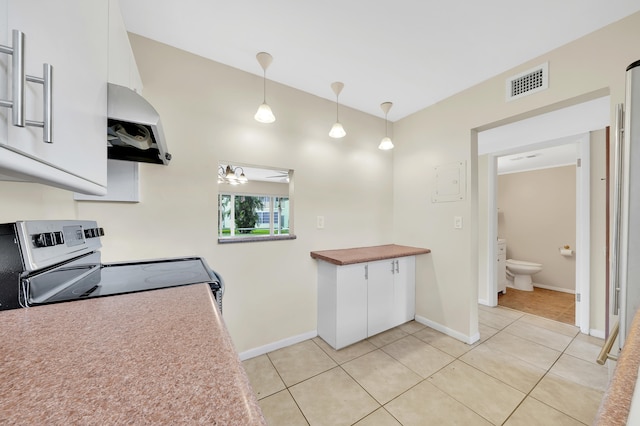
(367, 254)
(155, 357)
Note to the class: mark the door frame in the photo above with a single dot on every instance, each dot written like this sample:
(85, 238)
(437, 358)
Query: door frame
(583, 230)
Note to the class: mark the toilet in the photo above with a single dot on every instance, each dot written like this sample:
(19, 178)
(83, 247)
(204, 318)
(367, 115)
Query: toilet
(521, 271)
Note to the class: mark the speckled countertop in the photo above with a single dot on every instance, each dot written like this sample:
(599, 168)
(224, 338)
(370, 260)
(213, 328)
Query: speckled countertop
(615, 406)
(155, 357)
(366, 254)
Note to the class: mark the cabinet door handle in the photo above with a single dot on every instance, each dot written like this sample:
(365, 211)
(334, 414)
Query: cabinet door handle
(392, 267)
(47, 88)
(397, 266)
(366, 272)
(18, 78)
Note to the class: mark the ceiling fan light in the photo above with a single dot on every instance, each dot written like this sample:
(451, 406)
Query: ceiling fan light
(385, 144)
(264, 114)
(243, 178)
(337, 131)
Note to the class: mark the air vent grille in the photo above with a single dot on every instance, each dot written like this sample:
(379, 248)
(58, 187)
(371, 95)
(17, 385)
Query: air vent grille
(528, 82)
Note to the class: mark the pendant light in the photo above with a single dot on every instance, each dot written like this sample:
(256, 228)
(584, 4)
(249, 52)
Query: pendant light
(386, 143)
(264, 114)
(337, 131)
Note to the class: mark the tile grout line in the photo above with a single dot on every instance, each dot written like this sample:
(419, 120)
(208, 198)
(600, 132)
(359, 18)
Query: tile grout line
(548, 371)
(406, 334)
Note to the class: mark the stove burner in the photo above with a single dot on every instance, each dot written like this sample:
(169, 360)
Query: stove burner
(175, 277)
(167, 266)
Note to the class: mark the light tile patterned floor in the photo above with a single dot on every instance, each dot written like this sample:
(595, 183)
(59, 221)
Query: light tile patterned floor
(525, 370)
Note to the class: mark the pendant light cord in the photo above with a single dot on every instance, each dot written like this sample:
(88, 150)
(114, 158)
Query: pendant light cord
(264, 86)
(386, 133)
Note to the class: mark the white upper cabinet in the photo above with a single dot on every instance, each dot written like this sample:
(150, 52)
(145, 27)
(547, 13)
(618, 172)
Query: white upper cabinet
(71, 36)
(123, 69)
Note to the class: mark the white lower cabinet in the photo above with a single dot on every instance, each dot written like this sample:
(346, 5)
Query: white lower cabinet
(380, 296)
(361, 300)
(404, 297)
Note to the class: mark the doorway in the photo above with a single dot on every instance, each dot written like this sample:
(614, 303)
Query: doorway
(536, 199)
(533, 133)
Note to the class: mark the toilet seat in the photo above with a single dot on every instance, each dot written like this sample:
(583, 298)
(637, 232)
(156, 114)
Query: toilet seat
(523, 263)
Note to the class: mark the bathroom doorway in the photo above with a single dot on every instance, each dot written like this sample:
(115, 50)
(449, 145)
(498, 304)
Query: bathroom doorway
(536, 199)
(537, 133)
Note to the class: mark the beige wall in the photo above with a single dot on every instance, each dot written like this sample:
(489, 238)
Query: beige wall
(447, 282)
(537, 216)
(207, 111)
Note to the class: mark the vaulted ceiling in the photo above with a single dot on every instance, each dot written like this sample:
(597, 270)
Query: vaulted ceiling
(413, 53)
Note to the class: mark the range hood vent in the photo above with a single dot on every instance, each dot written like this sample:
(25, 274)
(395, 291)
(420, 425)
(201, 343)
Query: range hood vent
(134, 131)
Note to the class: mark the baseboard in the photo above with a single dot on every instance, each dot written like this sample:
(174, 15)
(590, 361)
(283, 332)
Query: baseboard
(596, 333)
(550, 287)
(449, 332)
(261, 350)
(483, 302)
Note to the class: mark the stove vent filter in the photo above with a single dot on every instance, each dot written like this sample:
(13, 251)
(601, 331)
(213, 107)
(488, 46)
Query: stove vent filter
(528, 82)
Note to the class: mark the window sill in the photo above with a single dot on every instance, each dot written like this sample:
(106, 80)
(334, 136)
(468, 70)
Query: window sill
(232, 240)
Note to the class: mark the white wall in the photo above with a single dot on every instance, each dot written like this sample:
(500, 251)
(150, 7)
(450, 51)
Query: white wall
(447, 282)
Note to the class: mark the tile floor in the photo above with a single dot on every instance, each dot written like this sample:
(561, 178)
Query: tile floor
(525, 370)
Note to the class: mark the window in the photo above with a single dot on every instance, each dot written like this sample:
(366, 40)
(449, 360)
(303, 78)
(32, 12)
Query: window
(252, 215)
(258, 209)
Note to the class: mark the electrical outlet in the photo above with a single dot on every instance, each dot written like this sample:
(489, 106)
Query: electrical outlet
(320, 222)
(457, 222)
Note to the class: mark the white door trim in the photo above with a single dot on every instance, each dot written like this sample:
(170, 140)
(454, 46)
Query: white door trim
(583, 227)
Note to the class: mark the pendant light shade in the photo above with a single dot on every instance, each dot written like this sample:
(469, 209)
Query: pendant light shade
(337, 131)
(264, 114)
(386, 143)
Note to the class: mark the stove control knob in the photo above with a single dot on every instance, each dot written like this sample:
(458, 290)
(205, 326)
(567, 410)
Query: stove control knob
(58, 238)
(46, 239)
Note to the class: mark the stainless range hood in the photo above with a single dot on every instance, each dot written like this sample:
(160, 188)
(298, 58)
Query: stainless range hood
(134, 131)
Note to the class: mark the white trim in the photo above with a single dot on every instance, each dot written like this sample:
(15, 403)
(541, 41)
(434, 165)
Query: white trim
(597, 333)
(448, 331)
(492, 231)
(583, 229)
(270, 347)
(583, 234)
(484, 302)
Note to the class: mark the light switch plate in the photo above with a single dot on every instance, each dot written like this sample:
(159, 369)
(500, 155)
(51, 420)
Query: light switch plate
(457, 222)
(320, 222)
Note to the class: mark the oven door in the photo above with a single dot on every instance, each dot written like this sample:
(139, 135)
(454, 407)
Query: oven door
(76, 279)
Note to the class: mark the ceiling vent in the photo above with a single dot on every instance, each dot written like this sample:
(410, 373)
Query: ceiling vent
(528, 82)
